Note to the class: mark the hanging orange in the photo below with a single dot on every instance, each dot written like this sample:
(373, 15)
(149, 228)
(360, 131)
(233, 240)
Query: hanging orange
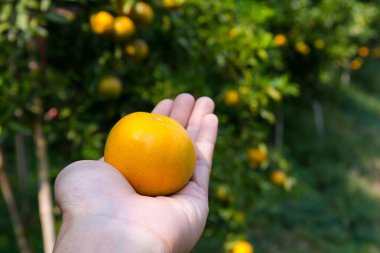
(143, 13)
(109, 87)
(101, 22)
(137, 49)
(123, 27)
(242, 247)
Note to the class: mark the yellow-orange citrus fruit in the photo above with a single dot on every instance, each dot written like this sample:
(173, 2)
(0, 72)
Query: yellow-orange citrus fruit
(152, 151)
(137, 49)
(280, 40)
(356, 64)
(375, 52)
(319, 44)
(302, 48)
(172, 4)
(363, 51)
(109, 87)
(231, 97)
(142, 13)
(123, 27)
(256, 156)
(233, 32)
(222, 192)
(278, 177)
(239, 217)
(101, 22)
(242, 247)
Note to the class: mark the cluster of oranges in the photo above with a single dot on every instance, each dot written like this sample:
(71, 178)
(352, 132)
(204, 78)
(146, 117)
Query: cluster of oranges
(357, 62)
(256, 156)
(303, 48)
(124, 26)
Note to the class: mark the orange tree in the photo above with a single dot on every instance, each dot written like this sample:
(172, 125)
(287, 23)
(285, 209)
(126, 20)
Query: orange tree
(77, 67)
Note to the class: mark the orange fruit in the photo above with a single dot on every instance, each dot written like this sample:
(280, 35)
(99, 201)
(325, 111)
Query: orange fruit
(123, 27)
(242, 247)
(239, 217)
(256, 156)
(319, 44)
(222, 192)
(363, 51)
(280, 40)
(356, 63)
(142, 13)
(302, 48)
(375, 52)
(152, 151)
(231, 97)
(101, 22)
(172, 4)
(278, 177)
(109, 87)
(137, 49)
(233, 32)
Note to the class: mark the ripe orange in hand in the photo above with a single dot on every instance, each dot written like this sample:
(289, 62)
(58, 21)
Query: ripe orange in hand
(152, 151)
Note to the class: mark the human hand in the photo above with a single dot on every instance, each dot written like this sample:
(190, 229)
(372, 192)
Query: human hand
(103, 213)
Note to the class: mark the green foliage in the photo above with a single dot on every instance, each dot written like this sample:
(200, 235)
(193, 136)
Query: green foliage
(50, 54)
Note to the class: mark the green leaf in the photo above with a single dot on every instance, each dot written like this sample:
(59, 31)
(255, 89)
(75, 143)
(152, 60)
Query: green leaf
(55, 18)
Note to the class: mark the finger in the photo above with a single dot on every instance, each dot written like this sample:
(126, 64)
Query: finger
(205, 143)
(182, 108)
(164, 107)
(202, 107)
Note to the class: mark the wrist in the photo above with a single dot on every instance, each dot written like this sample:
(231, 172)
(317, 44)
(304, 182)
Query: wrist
(106, 234)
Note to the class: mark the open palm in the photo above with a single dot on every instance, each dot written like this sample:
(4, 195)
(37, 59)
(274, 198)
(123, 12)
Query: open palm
(94, 190)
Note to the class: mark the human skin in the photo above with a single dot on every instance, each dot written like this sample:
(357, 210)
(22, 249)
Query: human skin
(102, 212)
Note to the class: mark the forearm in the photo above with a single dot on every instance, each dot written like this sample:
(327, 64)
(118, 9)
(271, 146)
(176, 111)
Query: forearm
(105, 235)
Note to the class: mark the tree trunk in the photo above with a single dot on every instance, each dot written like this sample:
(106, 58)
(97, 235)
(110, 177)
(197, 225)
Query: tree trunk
(318, 118)
(12, 208)
(22, 172)
(279, 129)
(45, 202)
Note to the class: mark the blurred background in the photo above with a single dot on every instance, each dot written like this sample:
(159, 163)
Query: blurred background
(297, 91)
